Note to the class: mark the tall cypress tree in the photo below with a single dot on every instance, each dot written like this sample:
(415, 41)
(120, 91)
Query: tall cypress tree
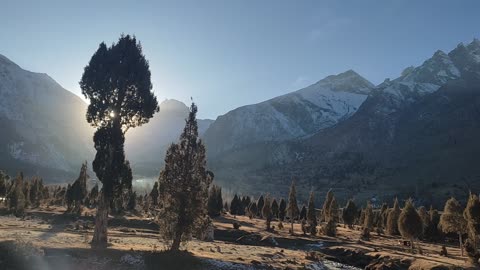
(117, 84)
(292, 209)
(185, 182)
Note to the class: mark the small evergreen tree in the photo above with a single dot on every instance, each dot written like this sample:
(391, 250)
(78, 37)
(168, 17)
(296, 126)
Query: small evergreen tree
(16, 197)
(252, 210)
(260, 204)
(132, 200)
(36, 190)
(275, 208)
(349, 213)
(452, 221)
(185, 183)
(245, 203)
(333, 211)
(282, 210)
(392, 219)
(292, 209)
(361, 217)
(4, 178)
(235, 205)
(326, 206)
(312, 215)
(303, 213)
(26, 192)
(472, 217)
(215, 203)
(425, 217)
(77, 192)
(432, 232)
(367, 222)
(93, 196)
(267, 211)
(410, 223)
(154, 193)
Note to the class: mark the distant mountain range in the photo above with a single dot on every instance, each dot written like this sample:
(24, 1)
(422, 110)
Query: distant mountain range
(416, 135)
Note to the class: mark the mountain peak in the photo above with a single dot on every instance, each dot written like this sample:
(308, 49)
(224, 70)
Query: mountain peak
(440, 53)
(348, 81)
(173, 105)
(475, 43)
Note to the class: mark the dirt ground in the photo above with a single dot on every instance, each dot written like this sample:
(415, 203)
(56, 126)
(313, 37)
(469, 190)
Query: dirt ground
(66, 238)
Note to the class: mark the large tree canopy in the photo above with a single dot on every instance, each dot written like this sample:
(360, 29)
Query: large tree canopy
(117, 83)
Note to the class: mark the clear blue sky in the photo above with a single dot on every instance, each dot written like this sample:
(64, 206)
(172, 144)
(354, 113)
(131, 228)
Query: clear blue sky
(229, 53)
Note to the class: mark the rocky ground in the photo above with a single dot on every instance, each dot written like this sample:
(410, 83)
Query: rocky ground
(46, 239)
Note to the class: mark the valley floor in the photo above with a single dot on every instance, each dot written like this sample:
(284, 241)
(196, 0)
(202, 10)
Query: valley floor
(62, 242)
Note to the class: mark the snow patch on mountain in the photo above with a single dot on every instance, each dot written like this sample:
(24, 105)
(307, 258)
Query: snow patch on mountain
(297, 114)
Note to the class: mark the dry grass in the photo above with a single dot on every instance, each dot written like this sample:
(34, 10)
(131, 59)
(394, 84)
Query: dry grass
(51, 231)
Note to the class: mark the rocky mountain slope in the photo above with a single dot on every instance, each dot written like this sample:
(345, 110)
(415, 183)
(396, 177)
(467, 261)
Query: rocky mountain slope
(44, 130)
(297, 114)
(413, 136)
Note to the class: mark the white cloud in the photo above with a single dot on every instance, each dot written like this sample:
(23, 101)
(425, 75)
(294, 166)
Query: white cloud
(327, 24)
(300, 82)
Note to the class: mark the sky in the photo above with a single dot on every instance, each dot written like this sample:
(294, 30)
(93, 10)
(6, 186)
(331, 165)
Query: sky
(229, 53)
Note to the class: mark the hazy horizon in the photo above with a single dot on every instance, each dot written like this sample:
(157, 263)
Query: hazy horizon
(229, 55)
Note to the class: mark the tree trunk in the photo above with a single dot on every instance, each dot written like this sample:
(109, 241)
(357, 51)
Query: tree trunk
(100, 238)
(461, 243)
(412, 245)
(291, 223)
(176, 242)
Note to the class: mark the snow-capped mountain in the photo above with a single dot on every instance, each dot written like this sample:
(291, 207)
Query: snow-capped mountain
(297, 114)
(411, 133)
(43, 125)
